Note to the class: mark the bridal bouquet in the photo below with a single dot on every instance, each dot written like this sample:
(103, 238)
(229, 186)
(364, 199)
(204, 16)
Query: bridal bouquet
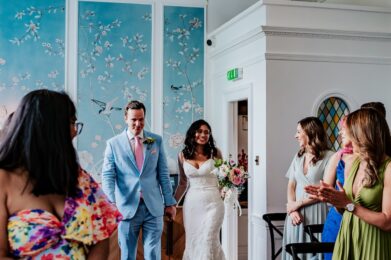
(232, 178)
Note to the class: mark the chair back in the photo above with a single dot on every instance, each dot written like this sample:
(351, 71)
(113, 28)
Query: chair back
(313, 229)
(272, 219)
(305, 248)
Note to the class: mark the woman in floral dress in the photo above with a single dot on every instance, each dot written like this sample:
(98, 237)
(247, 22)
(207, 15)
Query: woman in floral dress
(49, 207)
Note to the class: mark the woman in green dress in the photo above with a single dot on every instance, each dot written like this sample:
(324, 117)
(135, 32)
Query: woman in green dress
(366, 196)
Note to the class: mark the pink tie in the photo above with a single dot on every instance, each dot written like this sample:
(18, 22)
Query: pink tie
(138, 151)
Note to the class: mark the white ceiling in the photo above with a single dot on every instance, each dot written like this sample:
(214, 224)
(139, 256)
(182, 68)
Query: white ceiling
(221, 11)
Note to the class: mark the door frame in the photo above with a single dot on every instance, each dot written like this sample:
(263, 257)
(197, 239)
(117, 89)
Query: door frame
(230, 225)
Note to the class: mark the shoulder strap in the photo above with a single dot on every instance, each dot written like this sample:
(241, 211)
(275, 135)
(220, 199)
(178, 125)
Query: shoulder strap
(383, 167)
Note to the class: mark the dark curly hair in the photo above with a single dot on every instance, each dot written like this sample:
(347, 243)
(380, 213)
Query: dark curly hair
(378, 106)
(317, 138)
(210, 149)
(38, 140)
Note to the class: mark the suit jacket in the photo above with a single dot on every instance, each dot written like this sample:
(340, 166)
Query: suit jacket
(122, 181)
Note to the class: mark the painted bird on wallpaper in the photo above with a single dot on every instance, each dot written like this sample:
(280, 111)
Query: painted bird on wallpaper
(176, 87)
(106, 107)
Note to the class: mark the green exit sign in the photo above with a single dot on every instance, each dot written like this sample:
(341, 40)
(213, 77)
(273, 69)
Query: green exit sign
(235, 74)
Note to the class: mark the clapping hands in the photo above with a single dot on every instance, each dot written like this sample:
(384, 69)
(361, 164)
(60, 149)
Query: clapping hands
(326, 193)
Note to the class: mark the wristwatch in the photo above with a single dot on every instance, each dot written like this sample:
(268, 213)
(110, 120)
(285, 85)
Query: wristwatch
(350, 207)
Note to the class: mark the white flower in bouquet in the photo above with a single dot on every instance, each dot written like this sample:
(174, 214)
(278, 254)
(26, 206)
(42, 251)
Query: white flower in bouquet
(224, 170)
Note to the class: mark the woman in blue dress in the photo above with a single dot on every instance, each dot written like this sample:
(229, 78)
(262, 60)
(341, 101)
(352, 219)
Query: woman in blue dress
(336, 171)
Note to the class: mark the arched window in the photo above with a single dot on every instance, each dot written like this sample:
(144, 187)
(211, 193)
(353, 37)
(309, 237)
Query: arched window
(330, 112)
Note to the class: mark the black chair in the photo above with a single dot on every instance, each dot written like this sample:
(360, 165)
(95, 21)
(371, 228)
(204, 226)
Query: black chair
(271, 219)
(313, 229)
(305, 248)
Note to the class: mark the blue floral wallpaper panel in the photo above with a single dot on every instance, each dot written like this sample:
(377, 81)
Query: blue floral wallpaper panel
(114, 51)
(32, 36)
(183, 80)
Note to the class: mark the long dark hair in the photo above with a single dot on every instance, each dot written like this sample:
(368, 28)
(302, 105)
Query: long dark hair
(38, 140)
(317, 138)
(368, 129)
(209, 150)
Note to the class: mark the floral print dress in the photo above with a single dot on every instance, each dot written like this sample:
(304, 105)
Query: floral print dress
(88, 218)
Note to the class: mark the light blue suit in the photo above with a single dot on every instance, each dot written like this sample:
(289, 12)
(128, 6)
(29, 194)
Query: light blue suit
(123, 183)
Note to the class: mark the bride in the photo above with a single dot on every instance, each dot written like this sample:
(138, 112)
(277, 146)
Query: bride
(203, 208)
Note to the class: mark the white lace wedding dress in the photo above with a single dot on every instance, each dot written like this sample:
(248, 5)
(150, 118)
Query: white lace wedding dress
(203, 213)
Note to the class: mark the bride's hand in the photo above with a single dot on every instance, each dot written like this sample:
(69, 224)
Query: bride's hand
(170, 212)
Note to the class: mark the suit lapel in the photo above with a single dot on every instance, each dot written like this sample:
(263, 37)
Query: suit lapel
(128, 149)
(147, 149)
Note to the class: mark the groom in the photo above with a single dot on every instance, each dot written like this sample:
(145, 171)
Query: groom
(135, 177)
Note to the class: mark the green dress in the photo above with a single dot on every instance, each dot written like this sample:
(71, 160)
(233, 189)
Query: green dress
(356, 238)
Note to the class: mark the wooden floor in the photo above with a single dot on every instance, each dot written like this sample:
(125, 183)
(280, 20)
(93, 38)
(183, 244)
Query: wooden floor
(178, 241)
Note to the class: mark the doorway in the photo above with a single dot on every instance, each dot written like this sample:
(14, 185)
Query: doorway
(242, 159)
(237, 231)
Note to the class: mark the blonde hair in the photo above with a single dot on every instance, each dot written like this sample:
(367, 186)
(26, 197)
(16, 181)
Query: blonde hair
(369, 131)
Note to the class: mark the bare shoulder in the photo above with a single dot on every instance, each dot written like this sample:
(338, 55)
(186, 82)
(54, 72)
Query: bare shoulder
(334, 158)
(388, 167)
(11, 180)
(387, 175)
(5, 179)
(5, 186)
(219, 155)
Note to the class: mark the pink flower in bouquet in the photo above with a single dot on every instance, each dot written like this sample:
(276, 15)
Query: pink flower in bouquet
(235, 176)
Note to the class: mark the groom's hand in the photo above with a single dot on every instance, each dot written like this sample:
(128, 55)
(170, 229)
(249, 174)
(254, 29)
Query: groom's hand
(170, 212)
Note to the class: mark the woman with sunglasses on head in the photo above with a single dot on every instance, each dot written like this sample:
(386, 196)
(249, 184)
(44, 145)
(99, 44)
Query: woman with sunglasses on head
(49, 207)
(203, 209)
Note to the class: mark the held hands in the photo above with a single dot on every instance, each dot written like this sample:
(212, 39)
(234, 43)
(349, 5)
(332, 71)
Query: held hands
(170, 212)
(293, 206)
(296, 218)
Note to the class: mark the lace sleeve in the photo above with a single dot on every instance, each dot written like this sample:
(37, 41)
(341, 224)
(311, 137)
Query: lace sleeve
(182, 186)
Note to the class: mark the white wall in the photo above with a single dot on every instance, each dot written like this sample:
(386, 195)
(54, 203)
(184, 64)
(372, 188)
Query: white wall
(286, 85)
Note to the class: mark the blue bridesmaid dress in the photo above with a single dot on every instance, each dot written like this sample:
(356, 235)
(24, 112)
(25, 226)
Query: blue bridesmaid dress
(333, 220)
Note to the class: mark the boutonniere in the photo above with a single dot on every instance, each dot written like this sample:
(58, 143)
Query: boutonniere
(149, 141)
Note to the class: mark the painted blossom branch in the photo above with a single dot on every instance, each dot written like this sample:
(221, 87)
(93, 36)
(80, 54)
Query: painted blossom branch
(182, 35)
(33, 26)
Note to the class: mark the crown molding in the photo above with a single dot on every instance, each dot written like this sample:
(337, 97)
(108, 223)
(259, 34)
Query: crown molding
(325, 33)
(328, 58)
